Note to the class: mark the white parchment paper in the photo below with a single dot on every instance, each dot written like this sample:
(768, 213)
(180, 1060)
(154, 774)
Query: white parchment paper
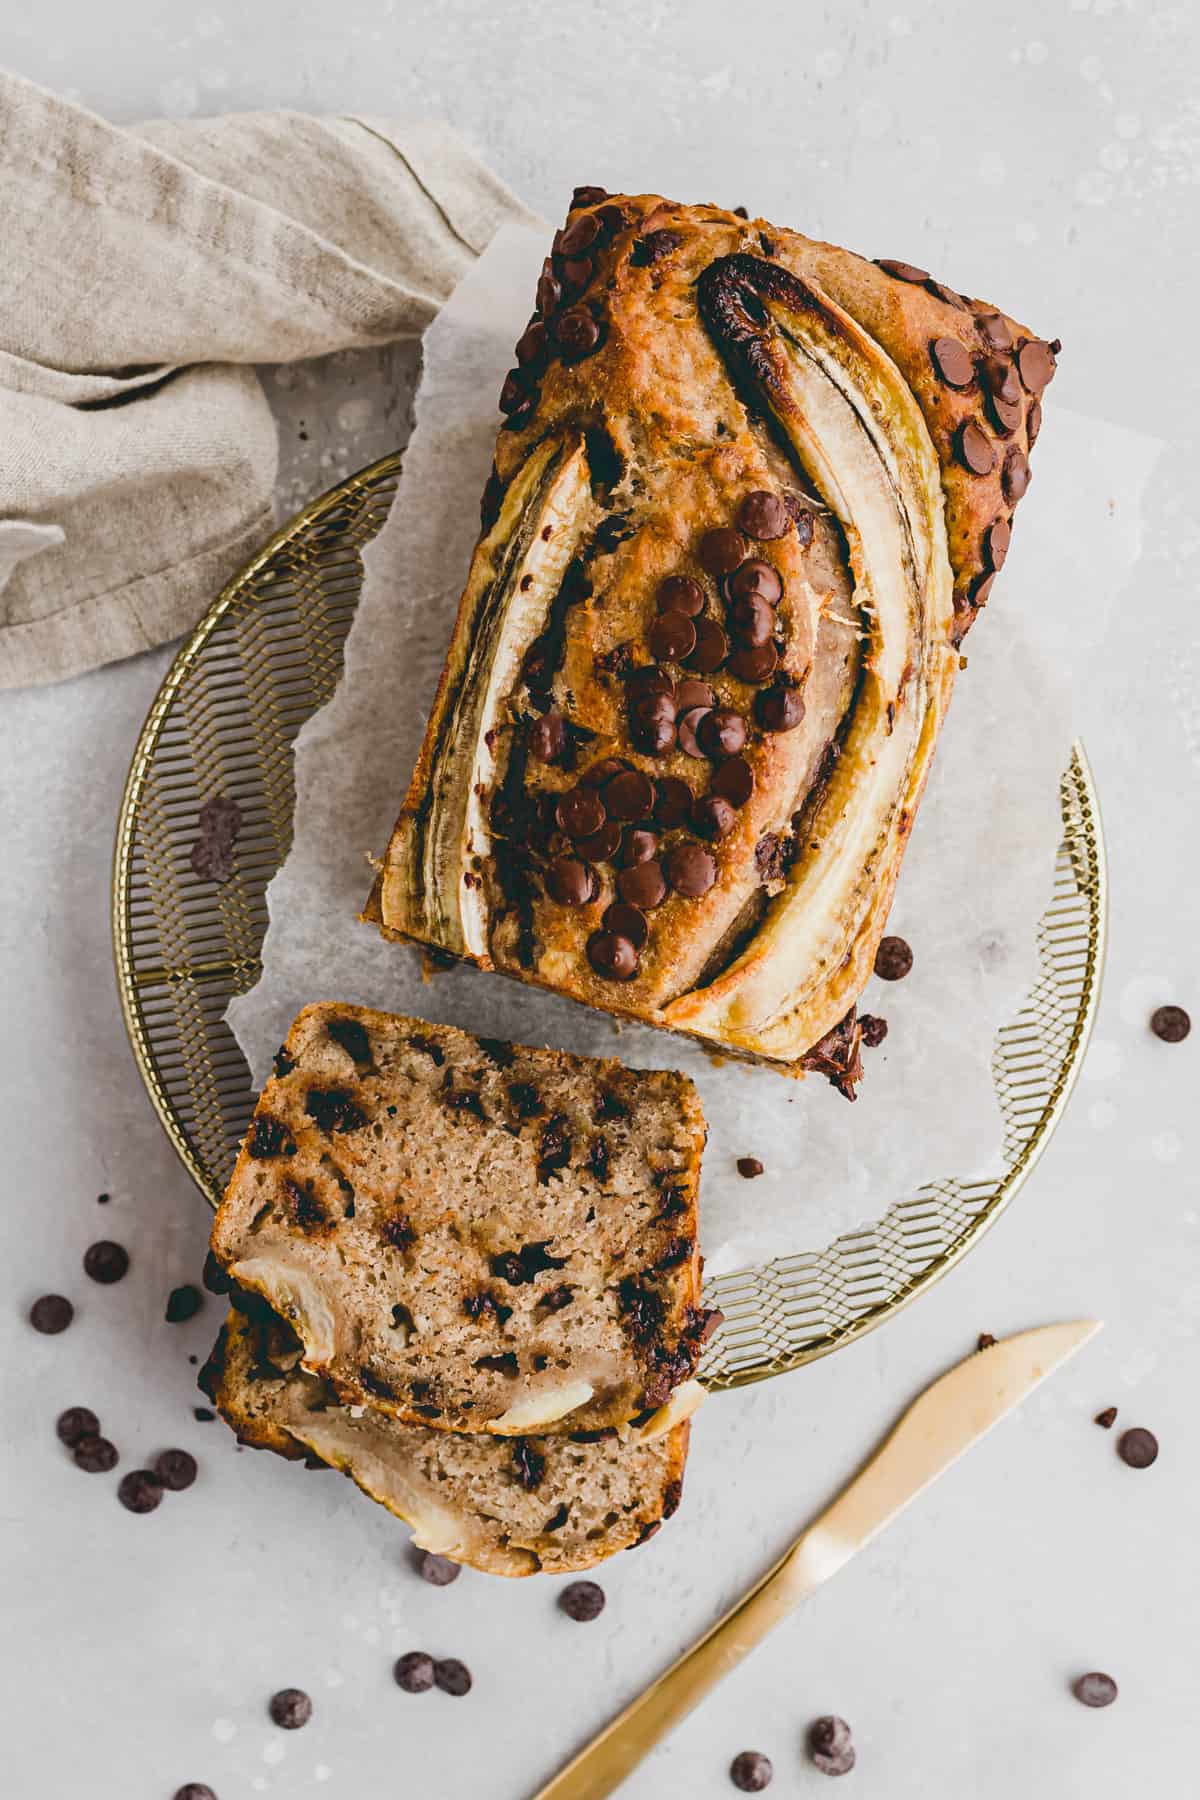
(976, 878)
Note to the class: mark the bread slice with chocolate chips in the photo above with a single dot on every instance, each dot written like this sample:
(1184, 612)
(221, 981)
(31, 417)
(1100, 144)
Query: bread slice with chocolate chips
(508, 1506)
(470, 1234)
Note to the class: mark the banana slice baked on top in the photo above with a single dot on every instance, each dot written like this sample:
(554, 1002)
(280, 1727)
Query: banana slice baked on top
(750, 492)
(508, 1506)
(472, 1235)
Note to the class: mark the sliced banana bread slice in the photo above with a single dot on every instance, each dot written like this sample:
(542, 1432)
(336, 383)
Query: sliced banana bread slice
(469, 1234)
(509, 1506)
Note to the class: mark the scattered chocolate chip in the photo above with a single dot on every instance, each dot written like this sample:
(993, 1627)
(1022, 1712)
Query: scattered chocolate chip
(50, 1314)
(580, 235)
(994, 331)
(764, 516)
(721, 733)
(602, 845)
(580, 811)
(1000, 379)
(269, 1137)
(689, 731)
(733, 781)
(1033, 422)
(653, 246)
(77, 1422)
(952, 360)
(1036, 362)
(203, 1415)
(290, 1708)
(438, 1571)
(640, 845)
(195, 1790)
(721, 550)
(874, 1030)
(612, 955)
(752, 621)
(672, 636)
(643, 886)
(756, 580)
(749, 1167)
(984, 1341)
(770, 857)
(498, 1051)
(528, 1466)
(332, 1109)
(577, 271)
(140, 1491)
(672, 802)
(103, 1199)
(577, 333)
(1107, 1418)
(946, 294)
(514, 392)
(588, 196)
(582, 1601)
(713, 817)
(801, 518)
(527, 1102)
(452, 1676)
(106, 1262)
(531, 345)
(778, 708)
(629, 795)
(975, 449)
(893, 959)
(679, 593)
(1095, 1689)
(649, 679)
(754, 663)
(220, 822)
(549, 293)
(175, 1469)
(981, 590)
(751, 1772)
(996, 541)
(694, 693)
(1138, 1447)
(214, 1277)
(1170, 1023)
(691, 870)
(902, 271)
(548, 737)
(711, 649)
(94, 1454)
(830, 1747)
(414, 1672)
(571, 882)
(1014, 477)
(183, 1303)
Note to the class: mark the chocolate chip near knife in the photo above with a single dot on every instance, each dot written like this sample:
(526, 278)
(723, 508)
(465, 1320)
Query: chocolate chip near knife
(1137, 1447)
(830, 1745)
(1107, 1418)
(1095, 1689)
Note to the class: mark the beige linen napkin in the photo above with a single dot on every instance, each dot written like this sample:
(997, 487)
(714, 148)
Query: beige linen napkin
(146, 269)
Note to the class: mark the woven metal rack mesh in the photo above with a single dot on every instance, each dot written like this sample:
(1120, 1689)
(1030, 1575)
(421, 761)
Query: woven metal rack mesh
(266, 656)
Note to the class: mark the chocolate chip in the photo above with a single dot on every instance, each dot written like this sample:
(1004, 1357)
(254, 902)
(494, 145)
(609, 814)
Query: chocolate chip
(654, 732)
(175, 1469)
(582, 1601)
(801, 518)
(752, 621)
(414, 1672)
(640, 845)
(733, 781)
(580, 811)
(642, 886)
(626, 921)
(106, 1262)
(571, 882)
(722, 732)
(548, 737)
(532, 343)
(438, 1571)
(1036, 362)
(770, 857)
(602, 845)
(975, 449)
(830, 1747)
(756, 579)
(901, 270)
(94, 1454)
(332, 1109)
(689, 731)
(672, 802)
(893, 959)
(679, 593)
(996, 541)
(713, 817)
(754, 663)
(214, 1277)
(778, 708)
(629, 795)
(183, 1303)
(452, 1676)
(712, 647)
(577, 271)
(1107, 1418)
(751, 1772)
(576, 332)
(514, 393)
(694, 693)
(612, 955)
(946, 294)
(721, 550)
(1015, 476)
(77, 1422)
(203, 1415)
(1033, 422)
(588, 196)
(748, 1167)
(140, 1491)
(220, 821)
(52, 1313)
(952, 360)
(764, 516)
(549, 292)
(981, 590)
(874, 1030)
(672, 636)
(994, 331)
(195, 1790)
(1138, 1447)
(269, 1137)
(1095, 1689)
(691, 870)
(580, 235)
(653, 246)
(984, 1341)
(290, 1708)
(1170, 1023)
(649, 679)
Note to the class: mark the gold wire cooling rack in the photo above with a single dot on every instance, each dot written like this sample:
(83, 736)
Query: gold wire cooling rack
(265, 657)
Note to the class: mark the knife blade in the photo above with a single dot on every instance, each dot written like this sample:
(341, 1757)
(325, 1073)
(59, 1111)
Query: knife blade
(941, 1424)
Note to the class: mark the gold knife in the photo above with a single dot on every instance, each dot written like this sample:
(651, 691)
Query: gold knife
(938, 1427)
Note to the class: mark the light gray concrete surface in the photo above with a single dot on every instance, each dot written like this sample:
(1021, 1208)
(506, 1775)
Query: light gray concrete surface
(1044, 153)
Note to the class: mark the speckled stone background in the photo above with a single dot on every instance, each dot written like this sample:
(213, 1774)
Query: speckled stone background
(1046, 155)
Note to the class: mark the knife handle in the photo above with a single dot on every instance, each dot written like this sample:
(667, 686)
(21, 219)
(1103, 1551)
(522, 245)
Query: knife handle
(603, 1765)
